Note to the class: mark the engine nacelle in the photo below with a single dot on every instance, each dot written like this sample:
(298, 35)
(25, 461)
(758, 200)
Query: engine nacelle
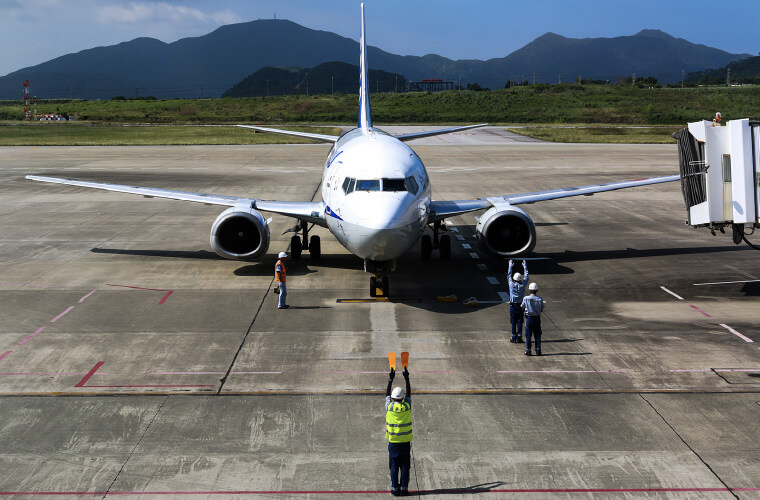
(240, 233)
(506, 231)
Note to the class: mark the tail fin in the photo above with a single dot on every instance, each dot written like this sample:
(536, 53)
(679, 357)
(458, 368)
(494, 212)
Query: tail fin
(365, 117)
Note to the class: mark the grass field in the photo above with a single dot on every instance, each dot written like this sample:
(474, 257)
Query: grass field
(601, 134)
(86, 134)
(539, 104)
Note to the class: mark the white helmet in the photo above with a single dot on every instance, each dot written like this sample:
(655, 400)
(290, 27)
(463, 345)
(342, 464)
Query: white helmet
(397, 394)
(282, 255)
(533, 287)
(517, 277)
(717, 115)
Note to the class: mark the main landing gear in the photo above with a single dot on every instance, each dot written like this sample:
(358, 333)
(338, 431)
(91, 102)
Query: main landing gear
(300, 243)
(379, 283)
(442, 243)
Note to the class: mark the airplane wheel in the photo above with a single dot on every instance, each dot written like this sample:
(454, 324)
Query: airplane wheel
(295, 247)
(315, 248)
(426, 246)
(386, 286)
(445, 247)
(373, 287)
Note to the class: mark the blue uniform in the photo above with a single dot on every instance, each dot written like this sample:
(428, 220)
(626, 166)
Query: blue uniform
(516, 294)
(533, 305)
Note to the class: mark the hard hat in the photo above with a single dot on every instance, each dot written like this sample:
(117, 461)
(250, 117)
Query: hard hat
(533, 287)
(282, 255)
(517, 277)
(717, 115)
(398, 393)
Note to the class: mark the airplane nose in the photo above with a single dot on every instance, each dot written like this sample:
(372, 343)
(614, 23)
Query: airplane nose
(384, 213)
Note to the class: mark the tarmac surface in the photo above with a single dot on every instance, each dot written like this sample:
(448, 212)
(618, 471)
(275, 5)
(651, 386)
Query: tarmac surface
(135, 362)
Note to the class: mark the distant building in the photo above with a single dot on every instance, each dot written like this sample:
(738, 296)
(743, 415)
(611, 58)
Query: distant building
(429, 85)
(52, 118)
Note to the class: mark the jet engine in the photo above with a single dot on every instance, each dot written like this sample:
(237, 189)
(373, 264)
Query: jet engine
(506, 231)
(240, 233)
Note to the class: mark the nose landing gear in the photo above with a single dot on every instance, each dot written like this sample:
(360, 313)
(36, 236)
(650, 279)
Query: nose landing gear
(379, 282)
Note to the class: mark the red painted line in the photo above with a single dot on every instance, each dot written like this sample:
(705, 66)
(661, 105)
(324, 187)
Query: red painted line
(700, 310)
(45, 373)
(160, 302)
(90, 374)
(376, 492)
(136, 386)
(39, 330)
(5, 354)
(85, 297)
(163, 299)
(64, 313)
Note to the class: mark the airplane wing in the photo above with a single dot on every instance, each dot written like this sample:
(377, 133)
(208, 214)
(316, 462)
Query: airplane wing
(318, 137)
(430, 133)
(307, 210)
(443, 209)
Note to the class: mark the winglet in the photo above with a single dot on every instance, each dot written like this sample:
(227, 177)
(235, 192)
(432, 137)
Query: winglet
(365, 118)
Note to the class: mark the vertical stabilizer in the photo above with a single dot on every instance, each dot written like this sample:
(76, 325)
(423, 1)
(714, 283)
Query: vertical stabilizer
(365, 118)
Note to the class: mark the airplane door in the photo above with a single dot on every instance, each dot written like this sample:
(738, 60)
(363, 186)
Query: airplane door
(727, 194)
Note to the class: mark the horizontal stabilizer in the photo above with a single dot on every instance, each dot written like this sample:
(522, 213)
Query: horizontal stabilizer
(317, 137)
(431, 133)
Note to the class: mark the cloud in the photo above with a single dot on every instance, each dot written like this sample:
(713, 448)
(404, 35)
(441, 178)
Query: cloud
(142, 12)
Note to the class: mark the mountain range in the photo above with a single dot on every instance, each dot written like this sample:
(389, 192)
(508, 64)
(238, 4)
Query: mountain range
(327, 78)
(208, 65)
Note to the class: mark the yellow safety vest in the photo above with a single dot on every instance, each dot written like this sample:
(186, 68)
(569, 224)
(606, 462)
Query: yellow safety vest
(398, 422)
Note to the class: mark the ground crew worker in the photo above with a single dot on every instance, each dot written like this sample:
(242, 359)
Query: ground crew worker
(280, 279)
(716, 120)
(398, 430)
(533, 305)
(516, 284)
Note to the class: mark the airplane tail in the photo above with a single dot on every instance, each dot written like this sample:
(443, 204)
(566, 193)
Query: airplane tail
(365, 117)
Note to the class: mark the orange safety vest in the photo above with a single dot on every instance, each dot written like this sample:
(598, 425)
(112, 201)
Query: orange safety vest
(280, 272)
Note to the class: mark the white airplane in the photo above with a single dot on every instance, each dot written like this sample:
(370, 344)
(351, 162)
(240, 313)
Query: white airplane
(375, 201)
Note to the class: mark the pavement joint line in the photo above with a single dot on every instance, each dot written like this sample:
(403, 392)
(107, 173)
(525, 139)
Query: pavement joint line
(728, 488)
(223, 380)
(418, 492)
(746, 339)
(672, 293)
(147, 428)
(374, 392)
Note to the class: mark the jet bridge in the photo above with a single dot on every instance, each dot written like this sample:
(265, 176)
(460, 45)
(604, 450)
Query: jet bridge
(720, 176)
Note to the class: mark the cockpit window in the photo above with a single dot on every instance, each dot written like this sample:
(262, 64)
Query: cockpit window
(411, 185)
(394, 185)
(368, 185)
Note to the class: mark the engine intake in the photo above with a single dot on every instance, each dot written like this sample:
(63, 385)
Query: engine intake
(240, 233)
(507, 232)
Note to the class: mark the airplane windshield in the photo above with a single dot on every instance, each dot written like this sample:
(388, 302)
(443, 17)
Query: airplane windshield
(394, 185)
(368, 185)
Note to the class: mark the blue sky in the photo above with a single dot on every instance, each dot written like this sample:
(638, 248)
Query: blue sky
(34, 31)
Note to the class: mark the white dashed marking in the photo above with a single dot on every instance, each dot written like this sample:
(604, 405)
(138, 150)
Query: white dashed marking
(483, 267)
(493, 280)
(474, 255)
(466, 246)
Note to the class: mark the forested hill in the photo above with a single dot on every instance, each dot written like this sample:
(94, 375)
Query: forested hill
(326, 78)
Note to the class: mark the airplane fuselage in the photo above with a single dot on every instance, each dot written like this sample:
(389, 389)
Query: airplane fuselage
(376, 194)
